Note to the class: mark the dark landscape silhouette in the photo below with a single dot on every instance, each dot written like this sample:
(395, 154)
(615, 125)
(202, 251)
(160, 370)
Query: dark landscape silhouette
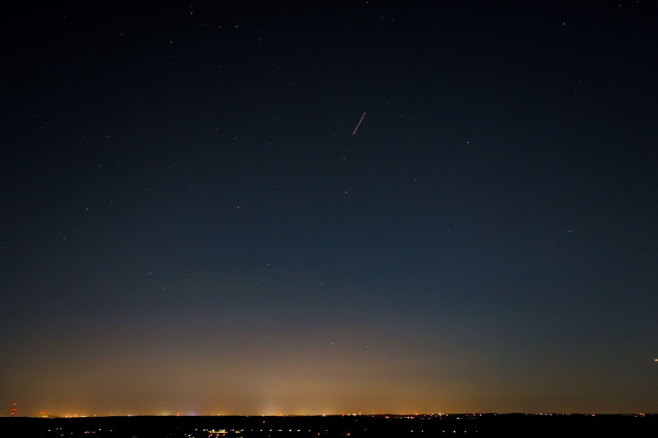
(335, 426)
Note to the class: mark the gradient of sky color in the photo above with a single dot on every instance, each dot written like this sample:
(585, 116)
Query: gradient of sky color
(187, 223)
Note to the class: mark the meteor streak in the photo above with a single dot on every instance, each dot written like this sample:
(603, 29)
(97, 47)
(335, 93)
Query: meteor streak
(359, 124)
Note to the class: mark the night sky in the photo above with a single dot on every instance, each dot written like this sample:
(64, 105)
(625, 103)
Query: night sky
(188, 223)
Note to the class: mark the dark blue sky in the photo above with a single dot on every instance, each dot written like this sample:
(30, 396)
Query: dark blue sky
(188, 223)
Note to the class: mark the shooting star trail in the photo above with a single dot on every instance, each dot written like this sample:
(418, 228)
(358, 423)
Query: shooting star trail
(359, 124)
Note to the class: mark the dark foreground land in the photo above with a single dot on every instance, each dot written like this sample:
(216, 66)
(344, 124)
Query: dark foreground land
(365, 426)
